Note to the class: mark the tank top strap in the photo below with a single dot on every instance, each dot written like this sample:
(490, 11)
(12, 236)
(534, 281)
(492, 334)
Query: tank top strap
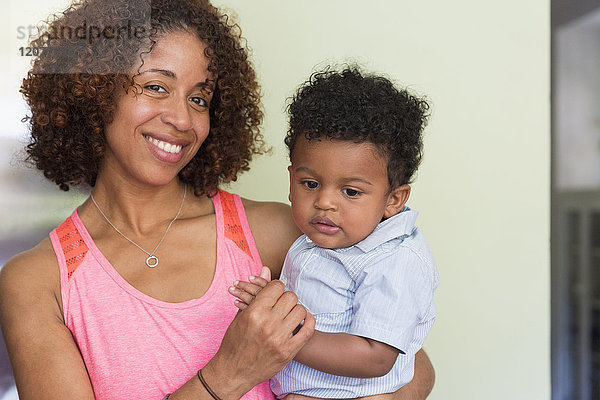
(69, 246)
(233, 223)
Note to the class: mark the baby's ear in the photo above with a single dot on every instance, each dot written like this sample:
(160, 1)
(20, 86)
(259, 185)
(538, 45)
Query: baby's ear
(290, 187)
(396, 200)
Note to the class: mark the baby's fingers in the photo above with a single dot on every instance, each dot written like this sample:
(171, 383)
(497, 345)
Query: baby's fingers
(241, 294)
(259, 280)
(246, 291)
(240, 304)
(249, 287)
(265, 273)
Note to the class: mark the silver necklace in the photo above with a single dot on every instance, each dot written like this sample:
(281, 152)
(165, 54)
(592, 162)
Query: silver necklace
(152, 260)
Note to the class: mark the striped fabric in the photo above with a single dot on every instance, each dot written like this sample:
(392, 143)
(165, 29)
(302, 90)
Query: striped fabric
(381, 288)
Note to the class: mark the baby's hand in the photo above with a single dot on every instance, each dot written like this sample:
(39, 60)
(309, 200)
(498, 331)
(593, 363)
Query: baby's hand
(247, 291)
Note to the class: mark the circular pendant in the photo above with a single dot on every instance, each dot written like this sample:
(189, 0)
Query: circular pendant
(152, 261)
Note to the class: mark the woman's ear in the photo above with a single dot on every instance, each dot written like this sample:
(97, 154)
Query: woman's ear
(396, 200)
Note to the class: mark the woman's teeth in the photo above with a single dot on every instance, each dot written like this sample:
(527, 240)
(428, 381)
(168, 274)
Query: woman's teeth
(168, 147)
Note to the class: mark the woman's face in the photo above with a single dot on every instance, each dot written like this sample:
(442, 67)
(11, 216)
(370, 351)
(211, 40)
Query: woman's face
(159, 126)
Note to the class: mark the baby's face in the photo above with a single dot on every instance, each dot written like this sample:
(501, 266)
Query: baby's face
(338, 190)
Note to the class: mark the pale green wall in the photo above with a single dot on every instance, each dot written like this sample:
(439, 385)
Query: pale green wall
(483, 189)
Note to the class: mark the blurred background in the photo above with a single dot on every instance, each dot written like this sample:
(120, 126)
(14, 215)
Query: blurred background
(492, 165)
(575, 200)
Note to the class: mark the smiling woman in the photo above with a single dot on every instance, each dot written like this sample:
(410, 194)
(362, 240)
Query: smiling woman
(73, 97)
(144, 120)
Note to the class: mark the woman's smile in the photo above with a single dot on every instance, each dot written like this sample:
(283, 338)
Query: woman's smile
(169, 151)
(164, 151)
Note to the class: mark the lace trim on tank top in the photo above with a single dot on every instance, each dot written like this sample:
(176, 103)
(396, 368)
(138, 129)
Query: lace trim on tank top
(232, 224)
(75, 249)
(72, 244)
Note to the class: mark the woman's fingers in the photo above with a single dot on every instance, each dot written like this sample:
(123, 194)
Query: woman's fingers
(302, 336)
(285, 308)
(291, 313)
(287, 301)
(262, 335)
(269, 295)
(285, 313)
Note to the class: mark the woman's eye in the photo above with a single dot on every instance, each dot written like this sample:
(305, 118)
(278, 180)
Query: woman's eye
(351, 192)
(155, 88)
(199, 101)
(310, 184)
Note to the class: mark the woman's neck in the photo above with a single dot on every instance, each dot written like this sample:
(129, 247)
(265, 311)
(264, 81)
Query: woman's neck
(141, 208)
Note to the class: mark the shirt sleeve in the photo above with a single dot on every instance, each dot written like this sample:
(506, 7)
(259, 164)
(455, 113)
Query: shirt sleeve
(392, 297)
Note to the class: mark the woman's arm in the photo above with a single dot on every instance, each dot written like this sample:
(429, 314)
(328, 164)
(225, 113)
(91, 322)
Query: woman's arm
(45, 359)
(422, 383)
(257, 344)
(48, 365)
(274, 231)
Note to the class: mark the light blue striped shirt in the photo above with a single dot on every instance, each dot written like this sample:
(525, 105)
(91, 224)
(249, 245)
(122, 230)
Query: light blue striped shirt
(381, 288)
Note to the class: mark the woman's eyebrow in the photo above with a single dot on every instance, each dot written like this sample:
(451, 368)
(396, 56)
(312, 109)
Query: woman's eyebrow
(208, 84)
(165, 72)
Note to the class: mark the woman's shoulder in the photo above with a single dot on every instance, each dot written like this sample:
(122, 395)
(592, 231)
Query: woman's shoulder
(40, 257)
(266, 217)
(268, 208)
(273, 229)
(32, 273)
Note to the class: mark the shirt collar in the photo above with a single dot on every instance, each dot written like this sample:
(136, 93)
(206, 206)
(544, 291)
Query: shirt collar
(399, 226)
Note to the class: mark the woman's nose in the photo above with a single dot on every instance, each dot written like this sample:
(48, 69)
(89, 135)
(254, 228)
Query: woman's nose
(178, 114)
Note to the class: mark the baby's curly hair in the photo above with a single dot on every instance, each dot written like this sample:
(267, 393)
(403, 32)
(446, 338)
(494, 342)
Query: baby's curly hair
(73, 86)
(352, 106)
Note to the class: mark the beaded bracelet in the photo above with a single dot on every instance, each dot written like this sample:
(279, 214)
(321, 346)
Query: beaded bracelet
(208, 389)
(167, 396)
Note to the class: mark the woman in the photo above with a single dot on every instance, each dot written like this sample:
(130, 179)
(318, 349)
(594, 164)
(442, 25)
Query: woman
(153, 106)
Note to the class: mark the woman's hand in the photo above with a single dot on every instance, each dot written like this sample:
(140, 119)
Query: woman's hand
(259, 342)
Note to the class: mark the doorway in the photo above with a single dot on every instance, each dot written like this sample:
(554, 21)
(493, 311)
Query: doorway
(575, 200)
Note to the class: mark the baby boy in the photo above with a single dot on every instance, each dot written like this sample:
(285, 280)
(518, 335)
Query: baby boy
(362, 267)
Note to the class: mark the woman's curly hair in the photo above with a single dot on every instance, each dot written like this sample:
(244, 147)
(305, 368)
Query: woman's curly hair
(88, 54)
(352, 106)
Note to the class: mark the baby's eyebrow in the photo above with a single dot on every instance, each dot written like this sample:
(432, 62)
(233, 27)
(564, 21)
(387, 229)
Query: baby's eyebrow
(345, 180)
(304, 169)
(359, 180)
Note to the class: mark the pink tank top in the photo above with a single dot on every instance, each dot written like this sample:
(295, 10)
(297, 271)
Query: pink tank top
(138, 347)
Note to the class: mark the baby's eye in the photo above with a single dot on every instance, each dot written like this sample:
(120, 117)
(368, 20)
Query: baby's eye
(310, 184)
(155, 88)
(351, 192)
